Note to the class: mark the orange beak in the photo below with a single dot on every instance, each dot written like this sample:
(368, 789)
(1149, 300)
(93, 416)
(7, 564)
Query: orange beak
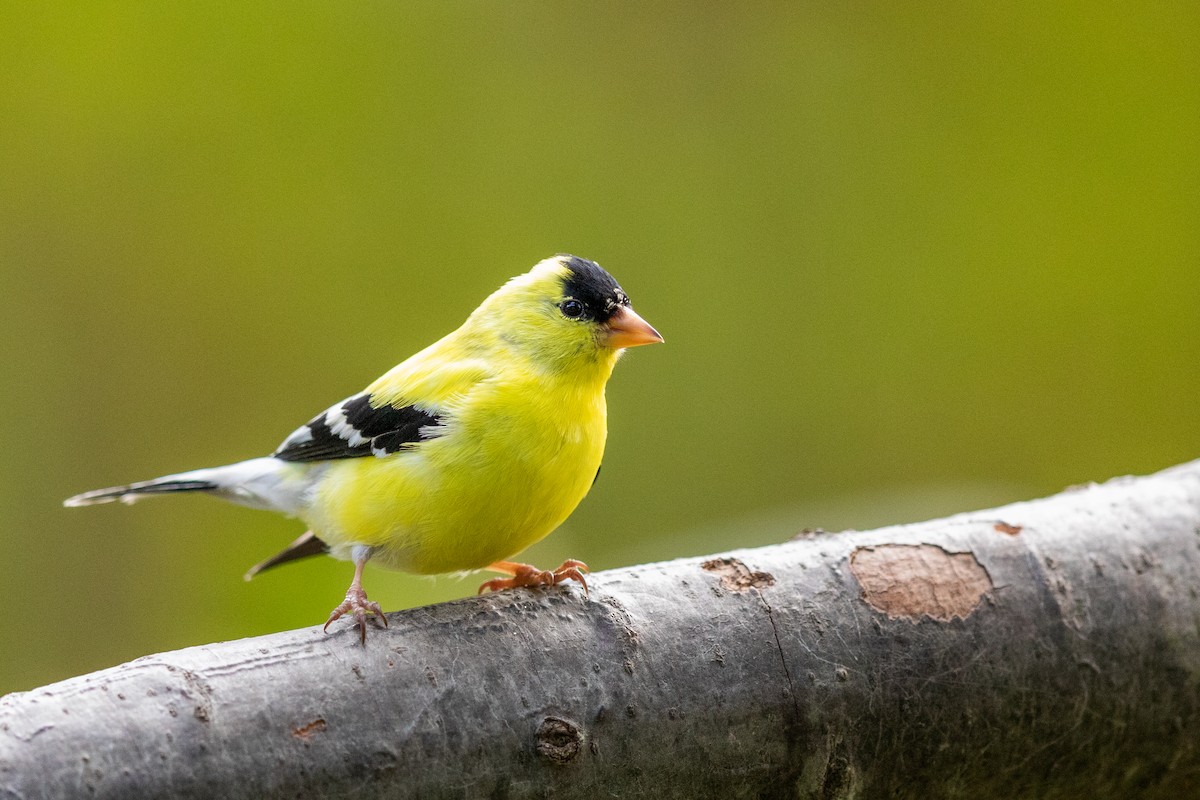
(627, 329)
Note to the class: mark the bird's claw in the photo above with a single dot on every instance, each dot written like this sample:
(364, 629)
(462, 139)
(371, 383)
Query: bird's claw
(528, 575)
(357, 604)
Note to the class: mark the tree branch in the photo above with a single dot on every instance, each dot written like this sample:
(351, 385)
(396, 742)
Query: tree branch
(1048, 649)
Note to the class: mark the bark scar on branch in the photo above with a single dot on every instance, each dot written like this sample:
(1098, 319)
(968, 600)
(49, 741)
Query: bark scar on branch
(736, 576)
(911, 581)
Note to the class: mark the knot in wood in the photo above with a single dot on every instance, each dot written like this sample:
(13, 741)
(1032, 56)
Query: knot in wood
(559, 740)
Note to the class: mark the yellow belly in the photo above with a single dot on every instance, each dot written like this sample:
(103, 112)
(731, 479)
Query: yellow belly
(495, 484)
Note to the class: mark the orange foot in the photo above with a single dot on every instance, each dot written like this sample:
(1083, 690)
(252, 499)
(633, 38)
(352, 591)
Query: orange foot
(527, 575)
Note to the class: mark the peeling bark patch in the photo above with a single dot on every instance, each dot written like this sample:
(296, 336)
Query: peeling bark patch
(305, 732)
(736, 576)
(908, 581)
(559, 740)
(1008, 530)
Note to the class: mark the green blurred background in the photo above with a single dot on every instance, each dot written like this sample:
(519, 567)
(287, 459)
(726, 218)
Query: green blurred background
(908, 261)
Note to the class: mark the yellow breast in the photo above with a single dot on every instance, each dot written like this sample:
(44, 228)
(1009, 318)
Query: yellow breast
(517, 458)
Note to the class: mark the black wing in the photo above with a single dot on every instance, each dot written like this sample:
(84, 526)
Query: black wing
(355, 428)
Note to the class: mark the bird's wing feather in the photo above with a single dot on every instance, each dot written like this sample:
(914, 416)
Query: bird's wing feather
(355, 428)
(409, 405)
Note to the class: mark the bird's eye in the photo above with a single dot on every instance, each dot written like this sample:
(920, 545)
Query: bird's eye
(572, 309)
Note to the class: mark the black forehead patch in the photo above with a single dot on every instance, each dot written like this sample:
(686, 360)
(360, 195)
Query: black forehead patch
(590, 284)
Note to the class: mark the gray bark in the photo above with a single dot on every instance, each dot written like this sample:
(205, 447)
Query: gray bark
(1048, 649)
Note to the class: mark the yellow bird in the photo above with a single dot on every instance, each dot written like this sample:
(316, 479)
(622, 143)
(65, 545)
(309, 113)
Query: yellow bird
(458, 458)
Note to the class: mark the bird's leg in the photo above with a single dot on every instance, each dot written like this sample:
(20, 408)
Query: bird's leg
(528, 575)
(356, 601)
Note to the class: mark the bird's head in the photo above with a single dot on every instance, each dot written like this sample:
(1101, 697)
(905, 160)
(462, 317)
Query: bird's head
(566, 313)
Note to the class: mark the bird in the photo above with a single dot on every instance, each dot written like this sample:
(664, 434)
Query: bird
(458, 458)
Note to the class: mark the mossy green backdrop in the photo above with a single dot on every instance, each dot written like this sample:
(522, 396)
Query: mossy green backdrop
(908, 260)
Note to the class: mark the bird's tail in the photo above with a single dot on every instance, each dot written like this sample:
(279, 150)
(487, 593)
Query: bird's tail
(136, 491)
(259, 483)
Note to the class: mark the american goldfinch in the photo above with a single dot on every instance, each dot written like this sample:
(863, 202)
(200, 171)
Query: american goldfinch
(458, 458)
